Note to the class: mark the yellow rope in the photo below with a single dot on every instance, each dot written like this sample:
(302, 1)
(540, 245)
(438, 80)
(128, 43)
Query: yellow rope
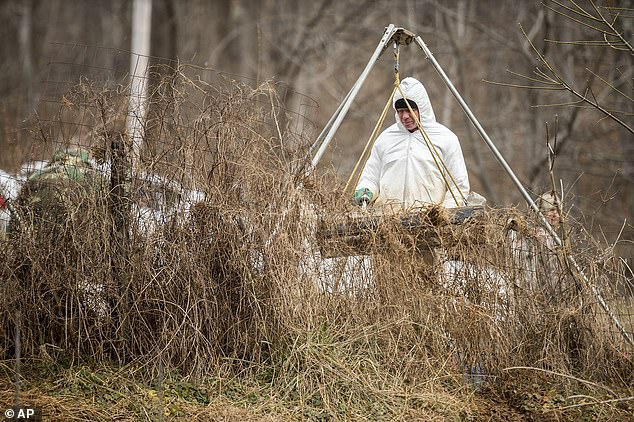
(432, 149)
(435, 154)
(378, 125)
(370, 142)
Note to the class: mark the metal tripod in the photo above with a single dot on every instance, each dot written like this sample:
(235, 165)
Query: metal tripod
(401, 36)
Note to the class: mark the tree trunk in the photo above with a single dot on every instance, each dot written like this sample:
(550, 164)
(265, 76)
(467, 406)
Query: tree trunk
(26, 51)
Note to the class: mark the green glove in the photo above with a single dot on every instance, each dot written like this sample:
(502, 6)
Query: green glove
(362, 196)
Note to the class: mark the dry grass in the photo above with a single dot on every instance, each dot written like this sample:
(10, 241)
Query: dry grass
(232, 293)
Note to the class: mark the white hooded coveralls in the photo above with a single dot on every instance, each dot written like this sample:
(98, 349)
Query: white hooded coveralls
(401, 169)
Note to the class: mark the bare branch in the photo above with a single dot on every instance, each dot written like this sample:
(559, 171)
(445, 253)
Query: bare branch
(579, 10)
(611, 85)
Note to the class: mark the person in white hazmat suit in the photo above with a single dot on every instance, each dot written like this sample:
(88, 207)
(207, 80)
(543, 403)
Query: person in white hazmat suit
(401, 169)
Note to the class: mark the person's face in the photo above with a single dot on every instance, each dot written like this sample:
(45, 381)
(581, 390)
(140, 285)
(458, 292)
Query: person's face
(407, 119)
(552, 216)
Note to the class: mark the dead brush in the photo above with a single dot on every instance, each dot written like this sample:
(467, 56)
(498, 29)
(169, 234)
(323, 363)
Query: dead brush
(236, 284)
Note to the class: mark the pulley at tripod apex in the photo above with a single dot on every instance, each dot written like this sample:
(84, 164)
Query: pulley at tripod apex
(402, 36)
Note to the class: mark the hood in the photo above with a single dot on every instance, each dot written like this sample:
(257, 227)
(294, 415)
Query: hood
(415, 91)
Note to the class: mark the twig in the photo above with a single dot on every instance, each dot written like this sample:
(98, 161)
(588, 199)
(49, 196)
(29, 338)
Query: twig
(573, 406)
(530, 368)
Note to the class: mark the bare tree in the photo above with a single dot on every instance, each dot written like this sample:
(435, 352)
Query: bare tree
(584, 73)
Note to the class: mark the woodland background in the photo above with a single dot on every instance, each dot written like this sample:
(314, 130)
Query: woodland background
(319, 48)
(105, 318)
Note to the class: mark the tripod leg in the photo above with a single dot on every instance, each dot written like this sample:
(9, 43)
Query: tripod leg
(345, 106)
(578, 272)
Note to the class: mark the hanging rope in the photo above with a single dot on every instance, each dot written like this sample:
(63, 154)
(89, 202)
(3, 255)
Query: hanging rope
(440, 164)
(438, 161)
(379, 124)
(369, 144)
